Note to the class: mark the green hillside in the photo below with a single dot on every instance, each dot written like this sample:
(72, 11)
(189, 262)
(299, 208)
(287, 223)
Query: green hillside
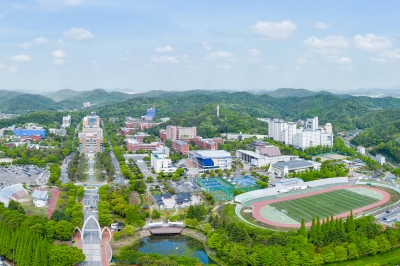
(98, 97)
(288, 92)
(62, 94)
(26, 103)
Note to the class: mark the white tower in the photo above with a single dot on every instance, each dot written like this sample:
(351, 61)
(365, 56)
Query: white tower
(217, 110)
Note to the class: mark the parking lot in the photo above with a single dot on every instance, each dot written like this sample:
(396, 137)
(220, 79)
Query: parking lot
(28, 174)
(184, 187)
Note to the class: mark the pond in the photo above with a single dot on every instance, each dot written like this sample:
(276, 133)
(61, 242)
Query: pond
(175, 245)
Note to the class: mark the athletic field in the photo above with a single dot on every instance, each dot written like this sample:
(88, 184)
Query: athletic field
(323, 205)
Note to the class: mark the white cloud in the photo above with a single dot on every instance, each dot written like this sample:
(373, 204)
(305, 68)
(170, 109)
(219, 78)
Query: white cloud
(371, 42)
(301, 61)
(219, 55)
(127, 51)
(255, 53)
(73, 2)
(255, 56)
(79, 34)
(329, 45)
(164, 59)
(60, 43)
(224, 66)
(270, 67)
(59, 54)
(206, 46)
(2, 66)
(13, 69)
(22, 58)
(274, 30)
(340, 60)
(321, 25)
(345, 68)
(58, 62)
(25, 45)
(165, 49)
(388, 56)
(40, 40)
(378, 60)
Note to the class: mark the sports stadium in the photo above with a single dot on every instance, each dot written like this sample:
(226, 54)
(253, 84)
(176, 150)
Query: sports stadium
(292, 200)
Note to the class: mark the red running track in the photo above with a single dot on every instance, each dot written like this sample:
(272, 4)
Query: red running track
(258, 205)
(52, 202)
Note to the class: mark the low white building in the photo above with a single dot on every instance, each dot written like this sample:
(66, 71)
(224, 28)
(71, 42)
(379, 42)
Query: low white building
(211, 159)
(240, 136)
(161, 163)
(361, 150)
(380, 159)
(282, 169)
(259, 160)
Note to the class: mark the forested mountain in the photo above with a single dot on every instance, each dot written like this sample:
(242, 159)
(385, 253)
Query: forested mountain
(287, 92)
(238, 110)
(62, 94)
(25, 103)
(97, 97)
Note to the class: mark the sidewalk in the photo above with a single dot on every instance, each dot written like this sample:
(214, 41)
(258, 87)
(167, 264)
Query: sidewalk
(106, 251)
(53, 202)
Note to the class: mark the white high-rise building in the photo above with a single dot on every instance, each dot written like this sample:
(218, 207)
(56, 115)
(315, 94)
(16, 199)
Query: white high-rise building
(312, 124)
(310, 136)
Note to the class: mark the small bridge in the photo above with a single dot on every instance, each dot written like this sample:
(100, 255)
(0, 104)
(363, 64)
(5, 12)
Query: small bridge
(170, 228)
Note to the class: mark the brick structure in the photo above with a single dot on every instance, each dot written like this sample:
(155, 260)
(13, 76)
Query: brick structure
(181, 146)
(134, 145)
(127, 130)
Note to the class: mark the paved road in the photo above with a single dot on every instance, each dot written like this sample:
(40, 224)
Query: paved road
(119, 179)
(91, 244)
(64, 167)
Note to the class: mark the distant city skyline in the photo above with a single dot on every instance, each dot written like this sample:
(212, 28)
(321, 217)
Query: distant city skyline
(49, 45)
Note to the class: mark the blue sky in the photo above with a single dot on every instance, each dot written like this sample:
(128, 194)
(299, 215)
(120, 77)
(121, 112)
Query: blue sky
(47, 45)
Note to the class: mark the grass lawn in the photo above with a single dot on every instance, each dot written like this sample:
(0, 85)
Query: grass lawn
(324, 205)
(389, 258)
(30, 208)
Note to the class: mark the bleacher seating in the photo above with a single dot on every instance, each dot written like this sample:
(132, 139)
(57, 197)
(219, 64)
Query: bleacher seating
(266, 192)
(12, 192)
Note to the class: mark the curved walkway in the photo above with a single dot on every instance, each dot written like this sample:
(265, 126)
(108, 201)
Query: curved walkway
(258, 205)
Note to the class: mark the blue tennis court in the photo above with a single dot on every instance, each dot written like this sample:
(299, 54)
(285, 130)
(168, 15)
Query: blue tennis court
(244, 181)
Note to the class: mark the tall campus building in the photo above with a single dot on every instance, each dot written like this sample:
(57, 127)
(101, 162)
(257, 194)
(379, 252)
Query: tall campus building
(309, 134)
(91, 138)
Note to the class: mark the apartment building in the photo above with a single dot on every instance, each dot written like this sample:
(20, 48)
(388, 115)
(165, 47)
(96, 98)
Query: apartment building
(309, 134)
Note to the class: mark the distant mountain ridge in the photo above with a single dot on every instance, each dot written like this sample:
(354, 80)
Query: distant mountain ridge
(60, 95)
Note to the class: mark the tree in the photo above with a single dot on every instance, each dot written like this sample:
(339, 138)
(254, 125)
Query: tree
(63, 255)
(63, 230)
(303, 230)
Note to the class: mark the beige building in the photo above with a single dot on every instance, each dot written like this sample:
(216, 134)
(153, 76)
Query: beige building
(91, 138)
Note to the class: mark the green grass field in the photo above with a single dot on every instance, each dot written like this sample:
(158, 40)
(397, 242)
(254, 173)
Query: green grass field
(323, 205)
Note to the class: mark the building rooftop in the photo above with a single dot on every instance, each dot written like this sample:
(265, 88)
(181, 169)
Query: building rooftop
(181, 142)
(39, 194)
(211, 153)
(295, 164)
(270, 151)
(252, 153)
